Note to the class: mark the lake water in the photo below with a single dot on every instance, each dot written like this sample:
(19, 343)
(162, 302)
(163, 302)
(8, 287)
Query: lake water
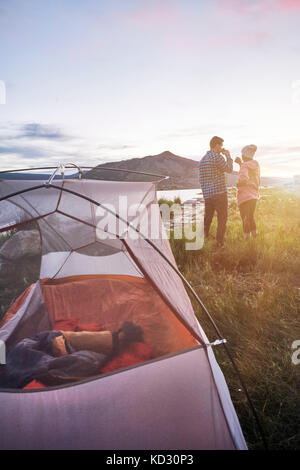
(192, 210)
(197, 196)
(184, 194)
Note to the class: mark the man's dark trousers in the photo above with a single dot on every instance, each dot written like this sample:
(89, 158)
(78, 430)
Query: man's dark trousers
(218, 203)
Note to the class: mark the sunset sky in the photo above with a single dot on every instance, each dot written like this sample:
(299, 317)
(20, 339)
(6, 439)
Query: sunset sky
(90, 81)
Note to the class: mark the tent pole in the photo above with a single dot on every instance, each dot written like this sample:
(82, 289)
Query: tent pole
(80, 172)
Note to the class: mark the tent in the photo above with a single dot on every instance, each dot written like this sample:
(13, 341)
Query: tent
(98, 264)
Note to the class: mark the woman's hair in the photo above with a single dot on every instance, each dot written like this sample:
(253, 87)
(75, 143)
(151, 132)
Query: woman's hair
(246, 159)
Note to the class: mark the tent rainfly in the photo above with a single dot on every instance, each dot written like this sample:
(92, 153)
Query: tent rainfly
(98, 268)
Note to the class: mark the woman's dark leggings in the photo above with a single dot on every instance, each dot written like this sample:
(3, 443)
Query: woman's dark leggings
(247, 210)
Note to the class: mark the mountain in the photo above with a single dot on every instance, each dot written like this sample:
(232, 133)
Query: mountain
(182, 172)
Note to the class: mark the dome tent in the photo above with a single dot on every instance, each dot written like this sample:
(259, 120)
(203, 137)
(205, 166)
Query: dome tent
(177, 400)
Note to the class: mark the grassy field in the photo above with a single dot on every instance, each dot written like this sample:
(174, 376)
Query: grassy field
(252, 290)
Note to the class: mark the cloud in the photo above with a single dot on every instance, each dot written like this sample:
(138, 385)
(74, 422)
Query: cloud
(238, 38)
(289, 4)
(32, 144)
(294, 149)
(32, 131)
(191, 43)
(23, 151)
(153, 14)
(242, 7)
(39, 131)
(257, 7)
(281, 155)
(32, 141)
(205, 129)
(115, 147)
(272, 149)
(176, 27)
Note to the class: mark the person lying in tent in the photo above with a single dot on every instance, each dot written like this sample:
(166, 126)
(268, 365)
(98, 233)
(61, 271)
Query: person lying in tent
(59, 357)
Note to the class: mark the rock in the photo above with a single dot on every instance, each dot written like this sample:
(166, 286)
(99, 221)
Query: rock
(23, 243)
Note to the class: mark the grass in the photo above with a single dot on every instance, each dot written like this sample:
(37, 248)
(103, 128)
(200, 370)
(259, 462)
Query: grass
(252, 290)
(177, 200)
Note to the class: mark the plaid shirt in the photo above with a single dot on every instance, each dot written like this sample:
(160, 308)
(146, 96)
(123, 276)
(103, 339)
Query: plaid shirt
(212, 170)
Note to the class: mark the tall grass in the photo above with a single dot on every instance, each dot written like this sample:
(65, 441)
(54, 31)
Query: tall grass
(177, 200)
(252, 290)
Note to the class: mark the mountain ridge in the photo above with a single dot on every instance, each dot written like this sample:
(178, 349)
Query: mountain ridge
(182, 171)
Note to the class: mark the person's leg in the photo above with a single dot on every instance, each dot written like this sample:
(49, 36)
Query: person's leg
(209, 210)
(221, 203)
(244, 216)
(252, 224)
(98, 341)
(105, 342)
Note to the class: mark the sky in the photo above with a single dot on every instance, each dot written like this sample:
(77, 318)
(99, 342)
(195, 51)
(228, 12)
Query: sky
(91, 81)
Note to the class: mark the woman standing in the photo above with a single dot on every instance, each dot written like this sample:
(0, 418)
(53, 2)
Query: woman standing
(248, 189)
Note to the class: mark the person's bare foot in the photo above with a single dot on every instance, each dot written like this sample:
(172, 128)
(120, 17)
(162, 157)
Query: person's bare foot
(59, 346)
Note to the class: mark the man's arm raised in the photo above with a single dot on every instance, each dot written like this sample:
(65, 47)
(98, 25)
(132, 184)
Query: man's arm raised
(224, 166)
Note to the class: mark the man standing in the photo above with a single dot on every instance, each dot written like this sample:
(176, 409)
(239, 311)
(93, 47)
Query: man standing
(212, 169)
